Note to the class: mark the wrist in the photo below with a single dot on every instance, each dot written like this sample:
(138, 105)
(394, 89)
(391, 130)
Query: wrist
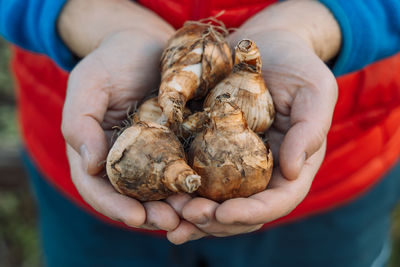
(84, 24)
(308, 19)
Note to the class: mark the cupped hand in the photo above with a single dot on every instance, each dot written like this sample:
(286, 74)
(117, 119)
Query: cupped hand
(100, 195)
(102, 89)
(304, 92)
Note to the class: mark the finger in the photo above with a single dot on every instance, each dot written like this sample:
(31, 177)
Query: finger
(281, 197)
(178, 201)
(201, 212)
(161, 216)
(185, 232)
(311, 116)
(85, 105)
(224, 230)
(100, 195)
(149, 227)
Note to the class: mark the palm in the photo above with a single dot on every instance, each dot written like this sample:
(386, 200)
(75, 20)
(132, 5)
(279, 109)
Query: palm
(102, 89)
(304, 93)
(108, 83)
(130, 70)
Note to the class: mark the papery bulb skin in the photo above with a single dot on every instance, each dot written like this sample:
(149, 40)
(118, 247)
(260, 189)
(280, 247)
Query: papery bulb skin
(231, 159)
(195, 122)
(147, 162)
(247, 88)
(196, 58)
(151, 111)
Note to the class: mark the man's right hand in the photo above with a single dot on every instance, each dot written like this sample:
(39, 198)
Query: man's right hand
(121, 45)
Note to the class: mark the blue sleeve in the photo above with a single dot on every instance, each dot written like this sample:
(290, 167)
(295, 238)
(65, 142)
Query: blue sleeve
(370, 31)
(32, 25)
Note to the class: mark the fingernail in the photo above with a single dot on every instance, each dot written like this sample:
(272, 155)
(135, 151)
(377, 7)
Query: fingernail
(202, 221)
(85, 157)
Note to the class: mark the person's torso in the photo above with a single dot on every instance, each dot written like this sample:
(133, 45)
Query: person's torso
(363, 143)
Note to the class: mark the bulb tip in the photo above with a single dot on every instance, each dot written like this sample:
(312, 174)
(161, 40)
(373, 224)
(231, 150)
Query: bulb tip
(192, 182)
(245, 45)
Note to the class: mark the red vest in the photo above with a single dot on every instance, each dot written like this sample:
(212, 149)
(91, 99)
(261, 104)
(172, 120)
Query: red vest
(363, 143)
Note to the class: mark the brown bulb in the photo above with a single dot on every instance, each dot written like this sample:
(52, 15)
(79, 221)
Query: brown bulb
(230, 158)
(247, 88)
(147, 162)
(197, 57)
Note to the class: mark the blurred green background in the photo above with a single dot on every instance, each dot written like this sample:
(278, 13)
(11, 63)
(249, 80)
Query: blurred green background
(19, 239)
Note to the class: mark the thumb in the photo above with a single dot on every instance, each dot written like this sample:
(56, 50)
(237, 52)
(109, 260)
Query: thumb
(311, 117)
(302, 141)
(84, 108)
